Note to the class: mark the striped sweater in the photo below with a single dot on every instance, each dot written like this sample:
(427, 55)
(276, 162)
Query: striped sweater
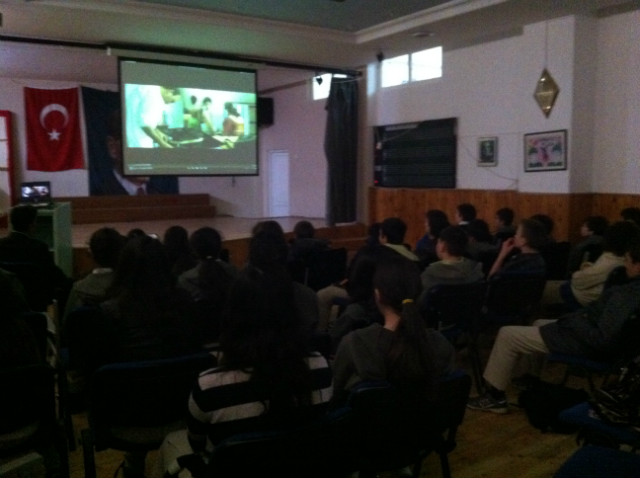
(224, 403)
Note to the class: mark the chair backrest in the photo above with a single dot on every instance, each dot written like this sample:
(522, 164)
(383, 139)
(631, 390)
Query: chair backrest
(86, 334)
(393, 427)
(37, 322)
(556, 258)
(326, 267)
(150, 394)
(320, 449)
(454, 305)
(513, 295)
(28, 398)
(36, 282)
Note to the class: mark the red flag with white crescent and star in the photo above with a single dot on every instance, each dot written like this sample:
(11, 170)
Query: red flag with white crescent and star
(54, 139)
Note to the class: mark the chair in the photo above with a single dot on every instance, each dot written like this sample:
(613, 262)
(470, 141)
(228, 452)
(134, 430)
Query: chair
(28, 420)
(512, 296)
(37, 323)
(455, 310)
(556, 258)
(399, 428)
(321, 449)
(626, 348)
(132, 406)
(321, 269)
(36, 282)
(599, 462)
(597, 432)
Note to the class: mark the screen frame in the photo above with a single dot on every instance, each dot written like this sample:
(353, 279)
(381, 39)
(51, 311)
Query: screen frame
(122, 59)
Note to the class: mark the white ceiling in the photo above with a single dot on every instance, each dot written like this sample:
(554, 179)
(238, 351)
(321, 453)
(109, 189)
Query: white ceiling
(316, 32)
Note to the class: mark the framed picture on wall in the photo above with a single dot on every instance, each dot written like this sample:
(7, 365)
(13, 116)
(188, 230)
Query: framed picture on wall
(546, 151)
(488, 151)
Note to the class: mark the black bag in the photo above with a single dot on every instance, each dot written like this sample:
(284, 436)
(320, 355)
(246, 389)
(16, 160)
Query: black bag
(619, 403)
(544, 401)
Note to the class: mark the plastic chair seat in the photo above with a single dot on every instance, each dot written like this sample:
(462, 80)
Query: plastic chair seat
(599, 462)
(583, 416)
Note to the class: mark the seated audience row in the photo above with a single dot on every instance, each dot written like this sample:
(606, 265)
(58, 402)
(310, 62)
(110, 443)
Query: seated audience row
(593, 332)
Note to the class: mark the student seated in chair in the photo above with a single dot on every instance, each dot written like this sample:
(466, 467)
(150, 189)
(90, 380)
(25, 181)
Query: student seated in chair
(267, 378)
(587, 283)
(530, 237)
(105, 245)
(453, 267)
(591, 332)
(402, 350)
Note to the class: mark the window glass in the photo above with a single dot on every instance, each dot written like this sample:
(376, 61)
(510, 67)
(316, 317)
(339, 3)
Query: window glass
(395, 71)
(426, 64)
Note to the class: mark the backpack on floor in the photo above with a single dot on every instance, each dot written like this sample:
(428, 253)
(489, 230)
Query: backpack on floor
(544, 401)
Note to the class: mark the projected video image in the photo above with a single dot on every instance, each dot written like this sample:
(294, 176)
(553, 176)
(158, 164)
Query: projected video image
(164, 117)
(186, 120)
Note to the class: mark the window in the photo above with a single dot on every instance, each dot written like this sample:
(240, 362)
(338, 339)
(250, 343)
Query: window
(395, 71)
(321, 91)
(418, 66)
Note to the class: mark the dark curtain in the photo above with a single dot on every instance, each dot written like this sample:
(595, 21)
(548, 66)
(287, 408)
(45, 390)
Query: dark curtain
(341, 150)
(102, 119)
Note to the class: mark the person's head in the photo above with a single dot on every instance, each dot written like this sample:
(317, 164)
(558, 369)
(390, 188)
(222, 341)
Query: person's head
(392, 230)
(452, 242)
(618, 236)
(143, 275)
(304, 230)
(170, 95)
(261, 330)
(465, 212)
(531, 234)
(359, 285)
(631, 214)
(269, 226)
(594, 226)
(435, 221)
(397, 286)
(632, 259)
(373, 234)
(504, 216)
(267, 251)
(206, 103)
(546, 221)
(105, 245)
(478, 231)
(206, 243)
(230, 109)
(23, 218)
(176, 237)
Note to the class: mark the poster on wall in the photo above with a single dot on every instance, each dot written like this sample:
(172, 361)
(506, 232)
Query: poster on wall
(545, 151)
(104, 146)
(488, 151)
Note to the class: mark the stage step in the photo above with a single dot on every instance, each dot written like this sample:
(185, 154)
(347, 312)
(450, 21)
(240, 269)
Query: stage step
(112, 209)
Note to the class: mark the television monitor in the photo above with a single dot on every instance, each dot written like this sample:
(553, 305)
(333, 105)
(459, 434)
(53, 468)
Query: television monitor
(187, 120)
(36, 193)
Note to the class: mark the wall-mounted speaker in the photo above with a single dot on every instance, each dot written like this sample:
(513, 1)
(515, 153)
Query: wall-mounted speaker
(265, 111)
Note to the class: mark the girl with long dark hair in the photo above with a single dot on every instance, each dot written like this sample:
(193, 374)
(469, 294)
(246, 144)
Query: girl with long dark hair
(402, 351)
(267, 377)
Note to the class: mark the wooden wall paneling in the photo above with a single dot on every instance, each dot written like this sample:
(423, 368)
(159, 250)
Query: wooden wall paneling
(580, 206)
(610, 205)
(567, 210)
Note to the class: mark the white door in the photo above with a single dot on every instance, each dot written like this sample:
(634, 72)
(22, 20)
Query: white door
(278, 183)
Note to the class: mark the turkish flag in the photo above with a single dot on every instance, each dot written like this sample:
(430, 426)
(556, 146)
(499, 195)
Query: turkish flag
(54, 140)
